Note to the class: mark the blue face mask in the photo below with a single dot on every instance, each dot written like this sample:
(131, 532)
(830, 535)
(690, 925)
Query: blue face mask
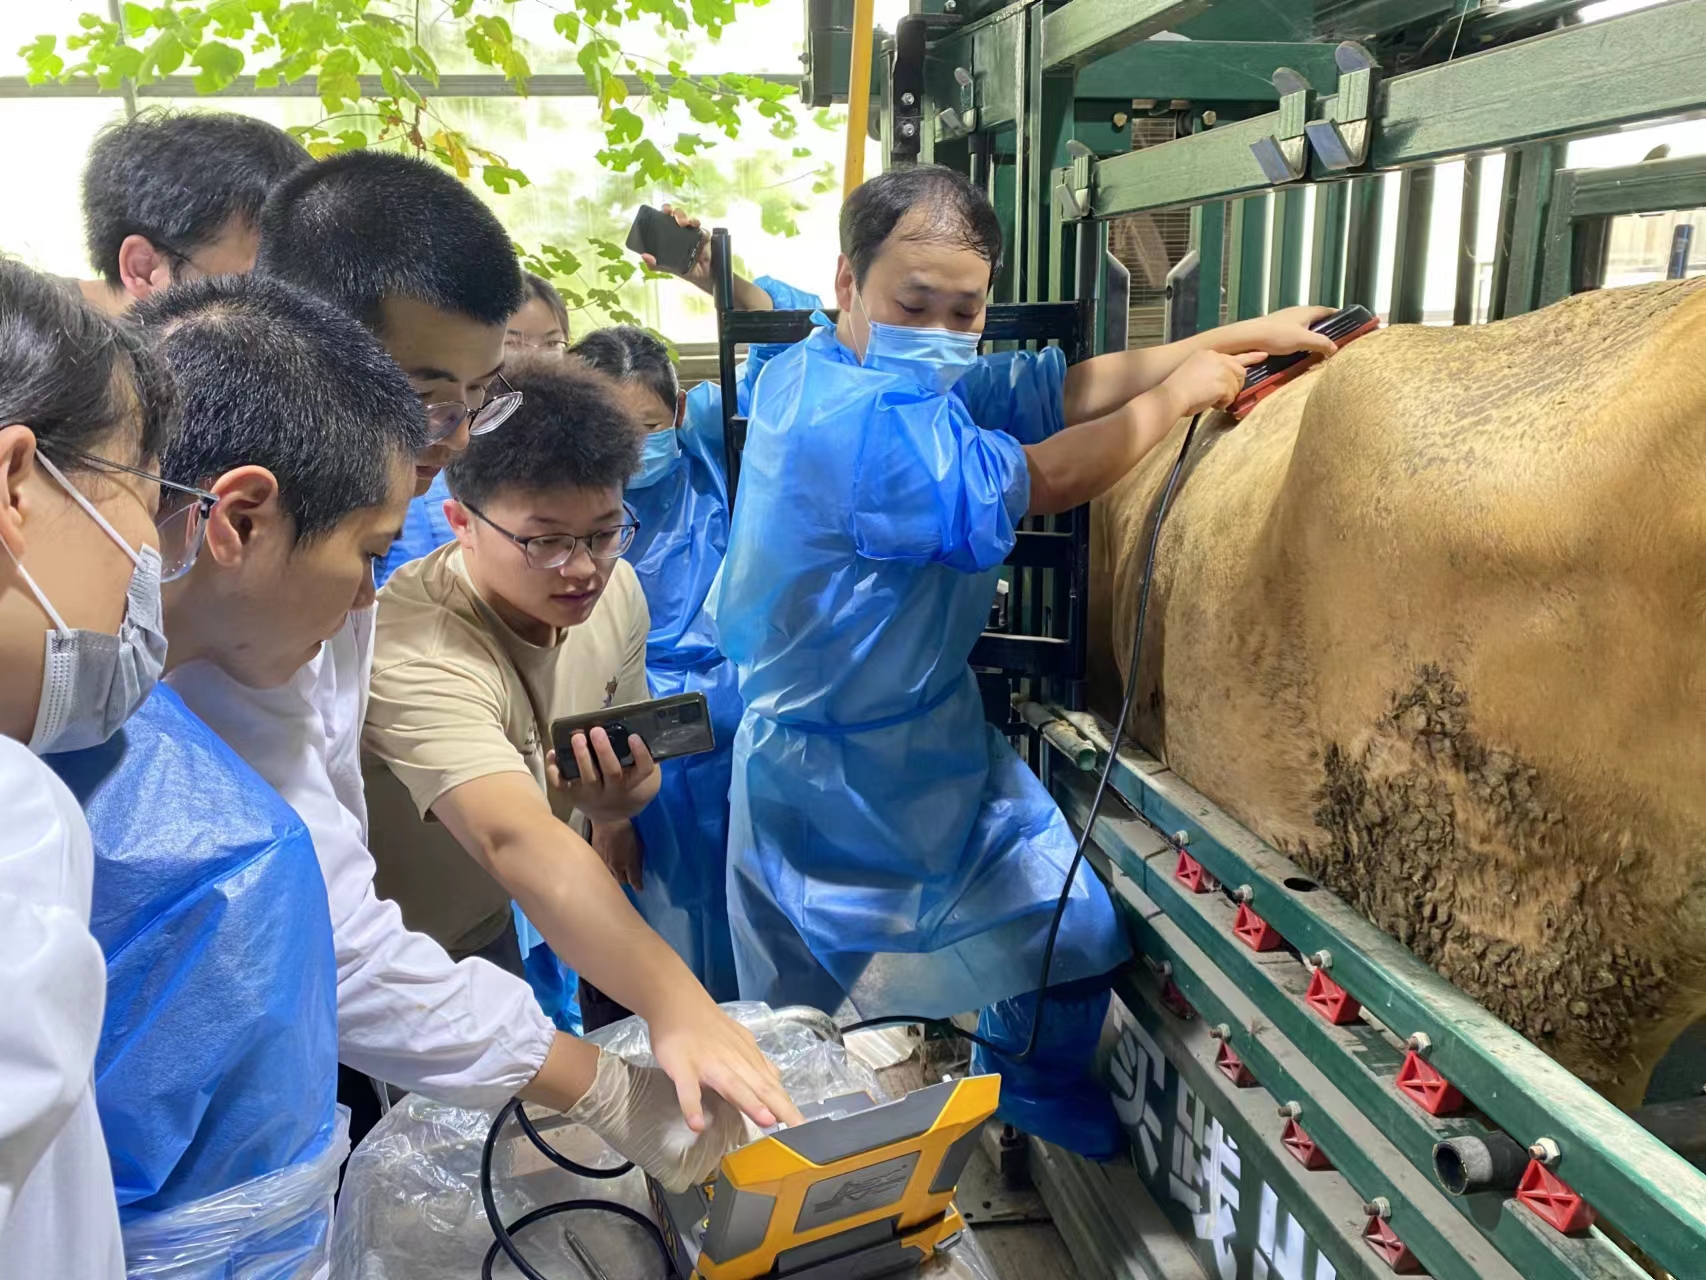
(658, 459)
(933, 358)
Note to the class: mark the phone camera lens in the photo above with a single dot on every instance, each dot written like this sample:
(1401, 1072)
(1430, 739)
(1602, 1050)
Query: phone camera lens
(690, 713)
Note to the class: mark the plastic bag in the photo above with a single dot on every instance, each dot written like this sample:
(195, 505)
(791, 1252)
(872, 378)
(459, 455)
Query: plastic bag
(274, 1227)
(411, 1210)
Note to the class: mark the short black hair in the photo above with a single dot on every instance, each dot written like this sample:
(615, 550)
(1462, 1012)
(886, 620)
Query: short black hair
(541, 288)
(571, 431)
(274, 377)
(179, 178)
(362, 226)
(631, 354)
(77, 378)
(958, 214)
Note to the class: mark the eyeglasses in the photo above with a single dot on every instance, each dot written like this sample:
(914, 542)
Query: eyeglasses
(445, 419)
(528, 344)
(180, 521)
(553, 550)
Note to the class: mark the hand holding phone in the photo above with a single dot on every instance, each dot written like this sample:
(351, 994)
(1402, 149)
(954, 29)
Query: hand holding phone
(599, 782)
(667, 240)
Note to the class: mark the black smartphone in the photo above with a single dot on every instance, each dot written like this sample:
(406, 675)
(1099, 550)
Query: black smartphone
(675, 247)
(670, 727)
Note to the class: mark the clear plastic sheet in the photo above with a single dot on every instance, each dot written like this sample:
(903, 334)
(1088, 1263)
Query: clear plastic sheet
(274, 1227)
(410, 1207)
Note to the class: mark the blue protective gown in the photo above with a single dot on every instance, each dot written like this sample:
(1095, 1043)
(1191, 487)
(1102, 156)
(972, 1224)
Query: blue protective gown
(219, 1049)
(424, 530)
(886, 845)
(683, 533)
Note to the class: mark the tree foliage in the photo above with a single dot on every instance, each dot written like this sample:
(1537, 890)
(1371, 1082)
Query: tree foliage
(374, 66)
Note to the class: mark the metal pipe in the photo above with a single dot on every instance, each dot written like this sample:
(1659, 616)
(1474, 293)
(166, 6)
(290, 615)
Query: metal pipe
(858, 97)
(1493, 1163)
(1681, 241)
(1060, 734)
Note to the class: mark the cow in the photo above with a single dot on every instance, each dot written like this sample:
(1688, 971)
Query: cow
(1432, 621)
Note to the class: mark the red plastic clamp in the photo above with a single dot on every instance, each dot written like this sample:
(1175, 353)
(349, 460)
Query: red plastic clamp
(1379, 1236)
(1425, 1087)
(1189, 872)
(1553, 1202)
(1338, 1006)
(1255, 932)
(1173, 1000)
(1232, 1066)
(1303, 1148)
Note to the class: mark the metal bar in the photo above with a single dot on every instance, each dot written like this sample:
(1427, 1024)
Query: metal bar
(1599, 76)
(1681, 248)
(1116, 328)
(722, 281)
(1608, 1159)
(1410, 271)
(1041, 657)
(1205, 70)
(126, 86)
(1077, 34)
(1652, 186)
(1285, 263)
(858, 98)
(1362, 243)
(1245, 288)
(1327, 246)
(1468, 243)
(1048, 113)
(1523, 229)
(450, 86)
(1208, 237)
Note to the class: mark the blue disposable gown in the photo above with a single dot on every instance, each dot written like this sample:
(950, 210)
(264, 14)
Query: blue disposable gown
(218, 1054)
(684, 527)
(885, 842)
(424, 530)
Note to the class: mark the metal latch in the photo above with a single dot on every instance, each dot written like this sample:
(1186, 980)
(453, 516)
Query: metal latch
(1341, 139)
(1284, 154)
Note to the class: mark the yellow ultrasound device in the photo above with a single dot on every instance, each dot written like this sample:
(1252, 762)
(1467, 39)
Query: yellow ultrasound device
(862, 1189)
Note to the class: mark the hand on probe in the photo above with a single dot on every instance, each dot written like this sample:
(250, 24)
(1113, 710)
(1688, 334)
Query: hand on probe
(1208, 380)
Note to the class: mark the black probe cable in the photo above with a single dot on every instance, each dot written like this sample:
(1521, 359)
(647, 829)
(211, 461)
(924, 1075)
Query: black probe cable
(943, 1024)
(504, 1240)
(504, 1236)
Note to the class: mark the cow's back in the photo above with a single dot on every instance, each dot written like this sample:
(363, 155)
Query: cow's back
(1430, 620)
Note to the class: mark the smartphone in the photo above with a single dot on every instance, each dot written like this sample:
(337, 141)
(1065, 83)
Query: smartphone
(670, 727)
(675, 247)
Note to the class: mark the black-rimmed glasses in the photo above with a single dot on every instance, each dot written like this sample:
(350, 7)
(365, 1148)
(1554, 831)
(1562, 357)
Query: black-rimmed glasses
(180, 521)
(445, 418)
(553, 550)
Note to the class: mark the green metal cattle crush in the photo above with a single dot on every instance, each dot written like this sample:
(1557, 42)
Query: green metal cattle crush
(1333, 1061)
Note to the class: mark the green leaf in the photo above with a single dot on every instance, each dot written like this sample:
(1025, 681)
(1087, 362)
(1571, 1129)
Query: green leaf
(137, 19)
(163, 57)
(502, 179)
(43, 63)
(801, 153)
(339, 81)
(622, 126)
(219, 65)
(568, 26)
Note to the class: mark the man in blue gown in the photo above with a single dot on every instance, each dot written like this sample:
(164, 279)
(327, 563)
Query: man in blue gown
(888, 851)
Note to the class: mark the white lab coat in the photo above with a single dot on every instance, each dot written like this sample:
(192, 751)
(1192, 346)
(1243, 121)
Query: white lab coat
(58, 1214)
(464, 1033)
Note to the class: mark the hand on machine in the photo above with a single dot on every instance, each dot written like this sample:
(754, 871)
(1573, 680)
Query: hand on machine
(1270, 374)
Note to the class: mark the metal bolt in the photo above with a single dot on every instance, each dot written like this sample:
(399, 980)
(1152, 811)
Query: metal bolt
(1210, 118)
(1544, 1151)
(1220, 1031)
(1420, 1044)
(969, 119)
(907, 99)
(1322, 959)
(1121, 119)
(1290, 1110)
(1243, 893)
(1160, 968)
(1181, 837)
(908, 128)
(1379, 1207)
(949, 6)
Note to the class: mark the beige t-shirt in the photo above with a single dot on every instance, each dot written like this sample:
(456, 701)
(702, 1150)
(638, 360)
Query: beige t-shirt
(457, 695)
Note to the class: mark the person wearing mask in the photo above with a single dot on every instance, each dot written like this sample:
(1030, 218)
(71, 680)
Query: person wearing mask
(425, 266)
(170, 196)
(886, 470)
(542, 324)
(85, 411)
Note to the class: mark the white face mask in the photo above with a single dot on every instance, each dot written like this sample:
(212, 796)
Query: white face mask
(92, 682)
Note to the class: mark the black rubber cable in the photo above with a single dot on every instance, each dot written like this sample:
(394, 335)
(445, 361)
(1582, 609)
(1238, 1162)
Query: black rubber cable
(504, 1236)
(559, 1159)
(1126, 703)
